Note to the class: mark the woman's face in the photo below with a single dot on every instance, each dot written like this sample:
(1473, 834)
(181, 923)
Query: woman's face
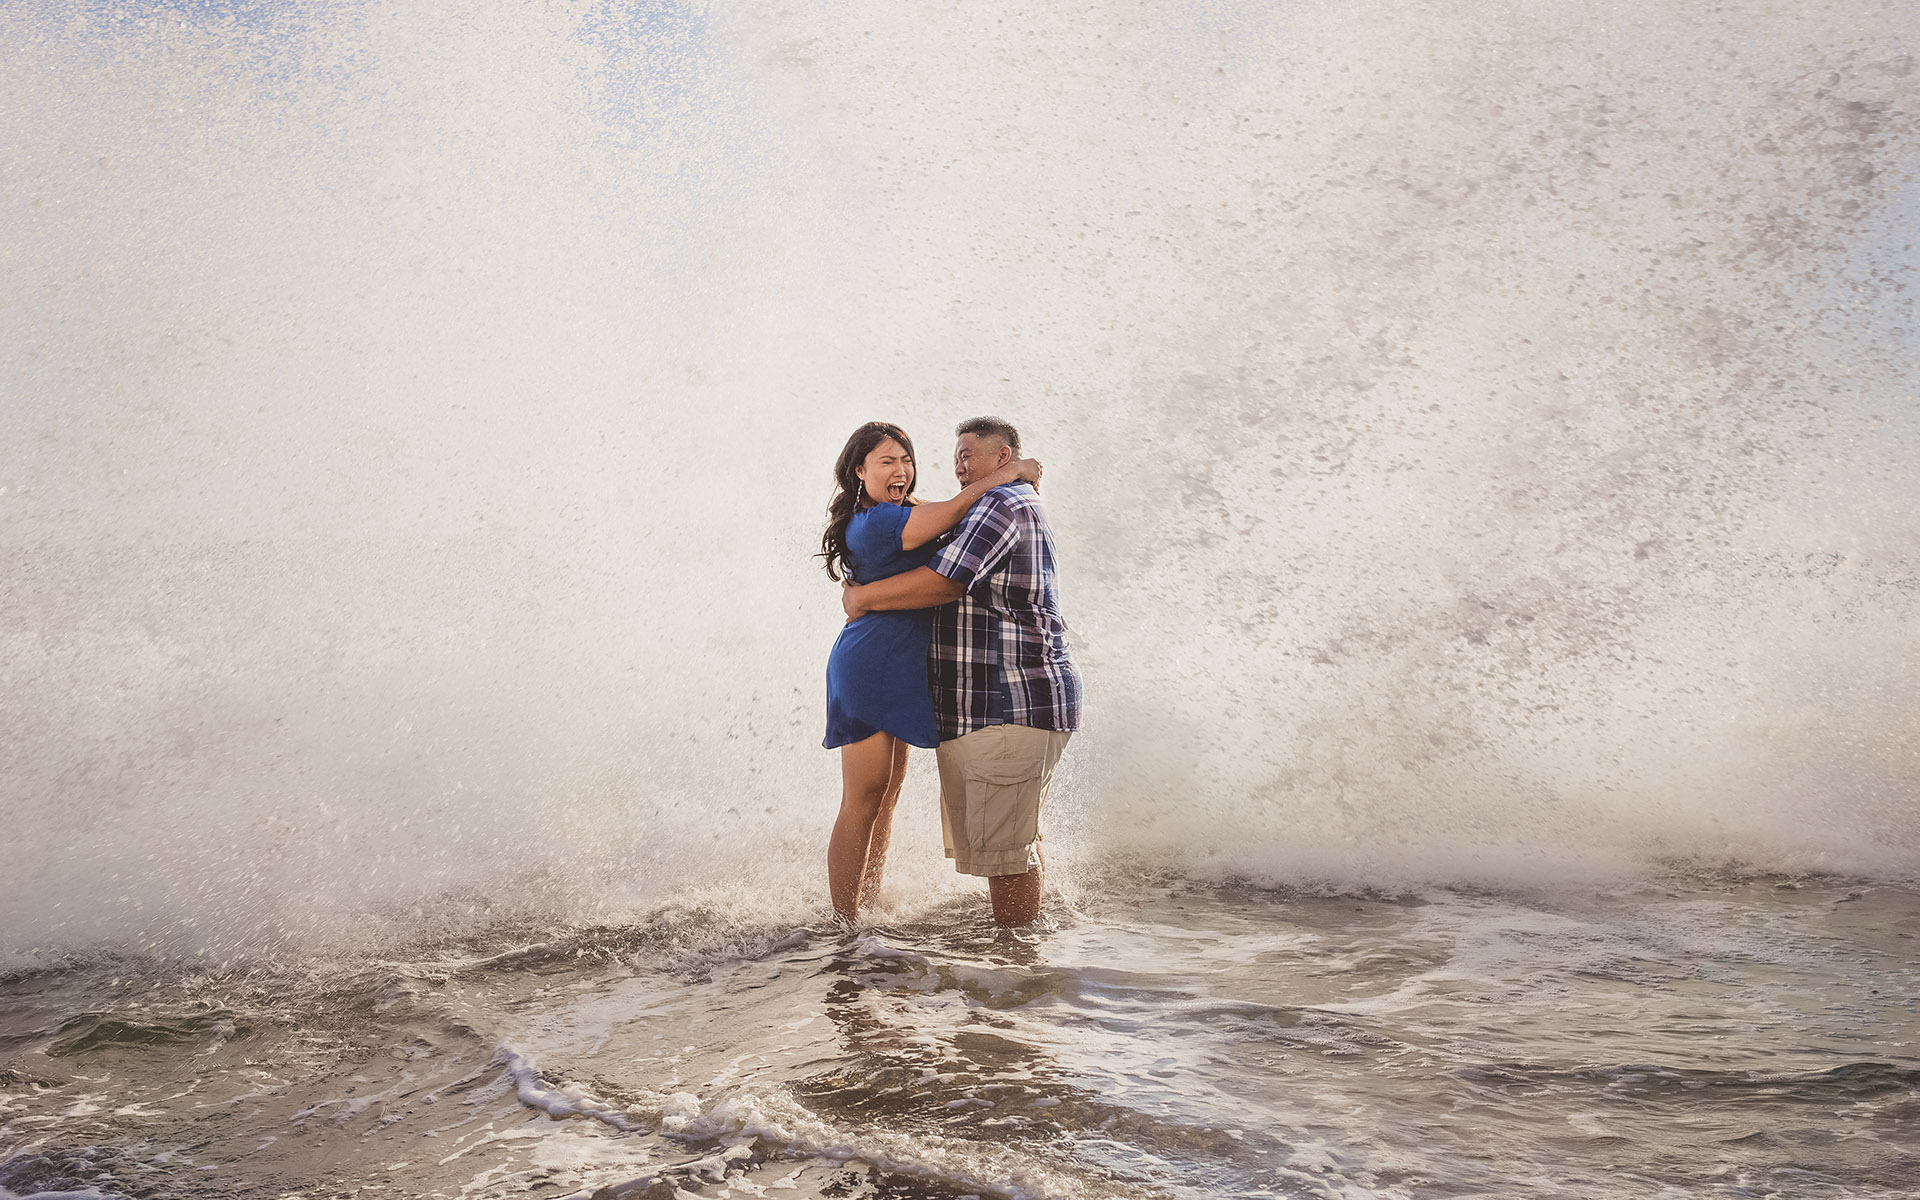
(887, 472)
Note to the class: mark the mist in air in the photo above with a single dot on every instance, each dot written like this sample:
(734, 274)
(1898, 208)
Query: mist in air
(1480, 440)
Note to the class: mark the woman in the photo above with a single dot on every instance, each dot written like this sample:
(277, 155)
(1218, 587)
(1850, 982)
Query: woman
(877, 698)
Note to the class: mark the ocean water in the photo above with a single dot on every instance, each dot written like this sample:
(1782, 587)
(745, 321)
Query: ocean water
(1695, 1037)
(1481, 443)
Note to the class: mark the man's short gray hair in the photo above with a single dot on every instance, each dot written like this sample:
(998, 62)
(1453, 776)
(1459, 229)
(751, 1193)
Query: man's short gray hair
(991, 427)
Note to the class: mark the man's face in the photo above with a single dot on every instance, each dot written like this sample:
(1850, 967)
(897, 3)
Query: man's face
(976, 457)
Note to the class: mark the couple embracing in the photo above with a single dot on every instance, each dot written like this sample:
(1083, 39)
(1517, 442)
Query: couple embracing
(953, 643)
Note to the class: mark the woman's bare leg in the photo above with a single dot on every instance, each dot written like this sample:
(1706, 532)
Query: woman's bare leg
(883, 828)
(866, 770)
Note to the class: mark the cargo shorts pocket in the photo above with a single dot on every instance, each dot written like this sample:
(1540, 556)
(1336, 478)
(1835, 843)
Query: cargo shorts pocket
(1004, 785)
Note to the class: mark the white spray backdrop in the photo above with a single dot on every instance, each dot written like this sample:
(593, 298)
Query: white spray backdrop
(1480, 440)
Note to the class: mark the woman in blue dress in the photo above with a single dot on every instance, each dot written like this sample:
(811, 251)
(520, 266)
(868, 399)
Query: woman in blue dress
(877, 698)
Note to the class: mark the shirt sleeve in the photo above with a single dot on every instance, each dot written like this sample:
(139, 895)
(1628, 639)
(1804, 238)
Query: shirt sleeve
(983, 542)
(874, 534)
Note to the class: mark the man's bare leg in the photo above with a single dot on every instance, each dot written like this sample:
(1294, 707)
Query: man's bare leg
(1016, 898)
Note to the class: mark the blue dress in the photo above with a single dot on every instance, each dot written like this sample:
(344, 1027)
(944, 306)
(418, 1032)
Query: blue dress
(877, 673)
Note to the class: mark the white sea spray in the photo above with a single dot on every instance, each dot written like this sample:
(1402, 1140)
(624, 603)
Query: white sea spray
(1480, 442)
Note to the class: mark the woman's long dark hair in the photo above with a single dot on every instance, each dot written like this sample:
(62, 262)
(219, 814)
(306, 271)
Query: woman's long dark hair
(847, 497)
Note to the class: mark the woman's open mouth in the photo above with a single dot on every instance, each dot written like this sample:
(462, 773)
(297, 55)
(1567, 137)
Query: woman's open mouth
(896, 492)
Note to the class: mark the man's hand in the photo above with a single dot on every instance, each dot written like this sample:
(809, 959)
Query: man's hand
(850, 601)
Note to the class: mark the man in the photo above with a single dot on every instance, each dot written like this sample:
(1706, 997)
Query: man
(1005, 693)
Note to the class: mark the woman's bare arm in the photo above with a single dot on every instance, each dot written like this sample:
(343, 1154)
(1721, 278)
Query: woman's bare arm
(926, 522)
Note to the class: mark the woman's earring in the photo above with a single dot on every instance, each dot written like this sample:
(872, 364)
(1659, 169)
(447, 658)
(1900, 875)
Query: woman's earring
(859, 490)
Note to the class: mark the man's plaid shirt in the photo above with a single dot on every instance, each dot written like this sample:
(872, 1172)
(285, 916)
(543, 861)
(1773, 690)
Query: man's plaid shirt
(999, 653)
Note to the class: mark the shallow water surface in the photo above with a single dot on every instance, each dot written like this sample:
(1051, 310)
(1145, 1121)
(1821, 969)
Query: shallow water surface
(1755, 1038)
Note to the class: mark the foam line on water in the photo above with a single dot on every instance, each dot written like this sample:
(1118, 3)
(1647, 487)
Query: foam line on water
(557, 1102)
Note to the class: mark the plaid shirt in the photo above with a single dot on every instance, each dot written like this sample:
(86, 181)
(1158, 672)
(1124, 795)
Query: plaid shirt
(999, 653)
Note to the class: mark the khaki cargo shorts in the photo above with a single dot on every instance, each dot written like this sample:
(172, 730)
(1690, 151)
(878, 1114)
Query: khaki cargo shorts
(992, 783)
